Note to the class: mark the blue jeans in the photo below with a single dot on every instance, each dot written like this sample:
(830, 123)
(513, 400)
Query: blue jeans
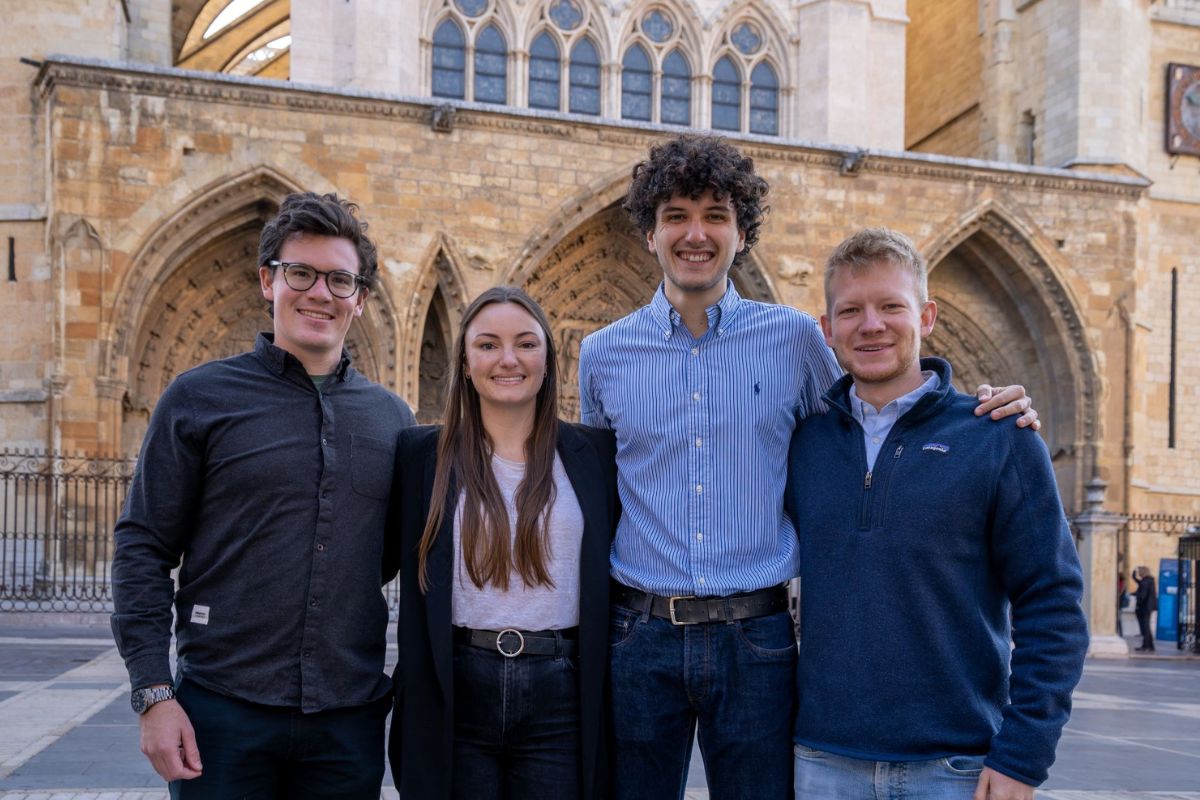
(262, 752)
(734, 680)
(516, 726)
(820, 774)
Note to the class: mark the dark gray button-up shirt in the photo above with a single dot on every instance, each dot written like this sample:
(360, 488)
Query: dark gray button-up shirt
(275, 496)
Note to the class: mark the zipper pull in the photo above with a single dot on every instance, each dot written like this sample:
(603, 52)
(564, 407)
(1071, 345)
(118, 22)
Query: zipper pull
(899, 449)
(867, 483)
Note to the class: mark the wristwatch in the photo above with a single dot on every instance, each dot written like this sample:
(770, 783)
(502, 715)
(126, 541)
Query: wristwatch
(142, 699)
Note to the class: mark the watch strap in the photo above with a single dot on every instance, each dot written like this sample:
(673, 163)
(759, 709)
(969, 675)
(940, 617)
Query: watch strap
(143, 699)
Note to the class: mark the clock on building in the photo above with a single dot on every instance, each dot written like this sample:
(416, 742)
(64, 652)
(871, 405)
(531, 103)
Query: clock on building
(1183, 109)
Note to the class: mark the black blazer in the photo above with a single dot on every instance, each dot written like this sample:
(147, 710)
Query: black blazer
(421, 743)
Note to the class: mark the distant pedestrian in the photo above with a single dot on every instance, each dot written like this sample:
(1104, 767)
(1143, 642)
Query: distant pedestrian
(1147, 604)
(1122, 602)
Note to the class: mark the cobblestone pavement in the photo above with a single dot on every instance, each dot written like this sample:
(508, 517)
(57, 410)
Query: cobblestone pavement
(66, 732)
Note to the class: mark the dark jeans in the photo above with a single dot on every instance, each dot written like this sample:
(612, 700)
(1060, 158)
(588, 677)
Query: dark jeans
(1143, 618)
(253, 751)
(516, 726)
(736, 680)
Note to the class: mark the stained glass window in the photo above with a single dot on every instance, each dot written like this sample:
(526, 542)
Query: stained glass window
(544, 73)
(585, 78)
(636, 84)
(472, 8)
(491, 67)
(676, 90)
(566, 15)
(746, 38)
(449, 61)
(657, 26)
(726, 96)
(764, 100)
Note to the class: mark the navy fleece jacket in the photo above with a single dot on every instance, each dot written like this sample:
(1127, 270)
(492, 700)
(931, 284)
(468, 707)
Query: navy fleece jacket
(909, 576)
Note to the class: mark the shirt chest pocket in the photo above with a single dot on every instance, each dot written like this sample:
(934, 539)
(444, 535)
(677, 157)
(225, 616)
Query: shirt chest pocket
(371, 463)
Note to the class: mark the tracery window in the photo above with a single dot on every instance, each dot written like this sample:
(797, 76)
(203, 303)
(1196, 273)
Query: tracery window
(544, 73)
(637, 84)
(469, 59)
(449, 61)
(764, 100)
(676, 90)
(585, 78)
(564, 55)
(745, 89)
(656, 78)
(491, 66)
(726, 96)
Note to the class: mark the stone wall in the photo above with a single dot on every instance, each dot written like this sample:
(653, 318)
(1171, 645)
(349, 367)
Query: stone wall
(943, 77)
(159, 177)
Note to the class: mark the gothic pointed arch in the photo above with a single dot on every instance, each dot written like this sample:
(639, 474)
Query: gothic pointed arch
(438, 301)
(1008, 317)
(763, 20)
(191, 294)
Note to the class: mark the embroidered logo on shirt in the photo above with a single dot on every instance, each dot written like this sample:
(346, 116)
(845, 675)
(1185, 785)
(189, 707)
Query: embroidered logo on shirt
(200, 615)
(937, 447)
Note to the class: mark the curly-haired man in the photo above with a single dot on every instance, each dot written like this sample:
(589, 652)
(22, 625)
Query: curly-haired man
(703, 389)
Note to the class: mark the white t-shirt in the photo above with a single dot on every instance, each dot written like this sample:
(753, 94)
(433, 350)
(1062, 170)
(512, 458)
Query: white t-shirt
(524, 607)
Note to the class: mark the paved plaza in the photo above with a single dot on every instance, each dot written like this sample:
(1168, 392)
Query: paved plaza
(66, 731)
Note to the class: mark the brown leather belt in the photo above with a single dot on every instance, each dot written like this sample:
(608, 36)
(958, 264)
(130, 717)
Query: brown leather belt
(690, 610)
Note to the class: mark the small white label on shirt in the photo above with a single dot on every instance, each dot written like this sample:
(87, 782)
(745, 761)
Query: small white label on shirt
(200, 615)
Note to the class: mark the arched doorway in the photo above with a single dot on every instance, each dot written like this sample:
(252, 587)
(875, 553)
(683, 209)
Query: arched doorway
(194, 296)
(1005, 318)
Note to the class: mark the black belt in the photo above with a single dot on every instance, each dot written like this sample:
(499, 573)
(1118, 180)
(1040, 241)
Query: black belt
(689, 610)
(511, 642)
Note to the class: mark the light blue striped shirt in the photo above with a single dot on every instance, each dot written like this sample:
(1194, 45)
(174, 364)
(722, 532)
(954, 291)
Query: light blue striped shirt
(703, 428)
(877, 425)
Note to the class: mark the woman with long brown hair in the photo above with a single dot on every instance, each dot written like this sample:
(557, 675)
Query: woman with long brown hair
(503, 519)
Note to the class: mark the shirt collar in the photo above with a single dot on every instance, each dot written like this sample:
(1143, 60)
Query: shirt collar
(720, 315)
(898, 407)
(278, 359)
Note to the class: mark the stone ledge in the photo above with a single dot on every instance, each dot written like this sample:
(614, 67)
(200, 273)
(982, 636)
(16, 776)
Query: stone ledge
(122, 76)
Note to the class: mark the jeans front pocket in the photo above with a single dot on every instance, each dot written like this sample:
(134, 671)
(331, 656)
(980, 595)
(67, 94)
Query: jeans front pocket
(963, 765)
(622, 623)
(772, 637)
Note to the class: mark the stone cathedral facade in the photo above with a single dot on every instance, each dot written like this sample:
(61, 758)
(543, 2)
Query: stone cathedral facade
(1036, 151)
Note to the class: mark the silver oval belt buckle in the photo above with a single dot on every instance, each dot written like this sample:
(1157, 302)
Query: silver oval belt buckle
(500, 643)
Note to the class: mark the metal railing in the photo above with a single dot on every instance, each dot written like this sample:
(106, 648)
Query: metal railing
(56, 519)
(57, 514)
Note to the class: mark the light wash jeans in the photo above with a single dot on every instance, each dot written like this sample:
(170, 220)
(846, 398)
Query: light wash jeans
(825, 775)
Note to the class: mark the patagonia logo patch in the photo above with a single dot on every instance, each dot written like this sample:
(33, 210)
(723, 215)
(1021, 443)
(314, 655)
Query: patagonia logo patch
(937, 447)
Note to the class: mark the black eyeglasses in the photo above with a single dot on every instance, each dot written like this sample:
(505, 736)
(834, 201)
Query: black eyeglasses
(301, 277)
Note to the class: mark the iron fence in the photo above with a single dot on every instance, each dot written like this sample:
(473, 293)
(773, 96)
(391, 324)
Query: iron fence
(57, 514)
(56, 518)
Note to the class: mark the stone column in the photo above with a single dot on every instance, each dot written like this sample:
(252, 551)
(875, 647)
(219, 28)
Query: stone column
(1001, 79)
(1098, 530)
(849, 72)
(367, 44)
(1096, 64)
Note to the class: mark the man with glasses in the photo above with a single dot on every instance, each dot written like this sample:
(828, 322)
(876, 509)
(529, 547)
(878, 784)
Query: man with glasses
(268, 475)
